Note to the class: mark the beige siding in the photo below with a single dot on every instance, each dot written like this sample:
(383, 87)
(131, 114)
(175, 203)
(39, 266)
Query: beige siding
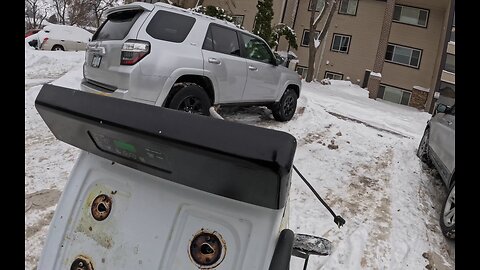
(301, 23)
(365, 30)
(428, 40)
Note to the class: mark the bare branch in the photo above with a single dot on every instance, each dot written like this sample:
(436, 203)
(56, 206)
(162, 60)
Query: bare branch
(324, 31)
(99, 7)
(35, 12)
(60, 7)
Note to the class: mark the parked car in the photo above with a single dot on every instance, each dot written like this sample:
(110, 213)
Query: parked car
(31, 32)
(32, 40)
(176, 58)
(437, 148)
(56, 37)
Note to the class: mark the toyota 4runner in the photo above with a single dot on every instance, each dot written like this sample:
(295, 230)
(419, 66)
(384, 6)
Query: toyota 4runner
(176, 58)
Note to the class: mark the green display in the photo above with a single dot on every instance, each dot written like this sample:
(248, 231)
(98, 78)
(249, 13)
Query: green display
(133, 148)
(125, 146)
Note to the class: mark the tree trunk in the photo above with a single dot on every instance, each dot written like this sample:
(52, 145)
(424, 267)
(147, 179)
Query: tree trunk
(312, 51)
(311, 44)
(311, 62)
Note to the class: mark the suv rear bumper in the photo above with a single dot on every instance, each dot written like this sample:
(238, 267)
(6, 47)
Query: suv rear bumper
(101, 89)
(92, 87)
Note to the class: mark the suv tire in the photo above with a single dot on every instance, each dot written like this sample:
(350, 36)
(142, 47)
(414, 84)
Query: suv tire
(192, 98)
(447, 217)
(285, 108)
(422, 151)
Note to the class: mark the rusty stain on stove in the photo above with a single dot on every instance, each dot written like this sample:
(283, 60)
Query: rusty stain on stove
(101, 207)
(207, 249)
(82, 263)
(103, 230)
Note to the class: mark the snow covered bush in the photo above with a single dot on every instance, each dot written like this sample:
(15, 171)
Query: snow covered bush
(282, 29)
(325, 82)
(215, 12)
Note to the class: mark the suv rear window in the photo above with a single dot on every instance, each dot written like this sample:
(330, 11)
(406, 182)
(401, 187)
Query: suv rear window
(117, 25)
(170, 26)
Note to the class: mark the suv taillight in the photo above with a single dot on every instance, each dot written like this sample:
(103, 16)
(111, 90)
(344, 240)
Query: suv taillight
(43, 42)
(133, 51)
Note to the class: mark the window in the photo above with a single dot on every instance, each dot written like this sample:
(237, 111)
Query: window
(302, 71)
(403, 55)
(394, 94)
(333, 75)
(348, 7)
(306, 37)
(170, 26)
(410, 15)
(450, 63)
(117, 25)
(222, 40)
(340, 43)
(257, 50)
(238, 19)
(320, 5)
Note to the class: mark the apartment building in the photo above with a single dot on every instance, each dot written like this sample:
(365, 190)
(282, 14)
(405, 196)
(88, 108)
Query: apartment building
(397, 49)
(393, 48)
(446, 89)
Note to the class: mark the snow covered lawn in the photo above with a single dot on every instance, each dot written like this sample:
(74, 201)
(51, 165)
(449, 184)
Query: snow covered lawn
(358, 153)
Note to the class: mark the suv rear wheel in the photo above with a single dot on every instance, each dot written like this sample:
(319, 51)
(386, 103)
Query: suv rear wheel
(285, 108)
(447, 219)
(192, 98)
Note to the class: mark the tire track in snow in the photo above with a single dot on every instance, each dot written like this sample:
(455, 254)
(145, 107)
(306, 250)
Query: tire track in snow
(367, 205)
(373, 200)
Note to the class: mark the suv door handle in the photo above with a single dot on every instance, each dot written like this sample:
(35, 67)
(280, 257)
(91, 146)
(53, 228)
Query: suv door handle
(449, 122)
(252, 68)
(214, 61)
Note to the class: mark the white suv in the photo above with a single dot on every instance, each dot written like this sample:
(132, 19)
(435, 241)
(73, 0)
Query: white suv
(171, 57)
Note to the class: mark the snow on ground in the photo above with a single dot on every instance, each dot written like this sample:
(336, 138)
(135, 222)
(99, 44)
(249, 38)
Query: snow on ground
(357, 152)
(46, 66)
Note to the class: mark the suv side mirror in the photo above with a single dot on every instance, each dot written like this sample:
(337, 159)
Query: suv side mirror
(441, 108)
(278, 59)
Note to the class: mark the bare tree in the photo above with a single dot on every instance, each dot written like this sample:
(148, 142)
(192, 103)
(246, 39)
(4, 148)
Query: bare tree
(61, 7)
(79, 12)
(99, 7)
(314, 41)
(35, 13)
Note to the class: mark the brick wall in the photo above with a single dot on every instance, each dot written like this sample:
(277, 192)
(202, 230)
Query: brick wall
(418, 99)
